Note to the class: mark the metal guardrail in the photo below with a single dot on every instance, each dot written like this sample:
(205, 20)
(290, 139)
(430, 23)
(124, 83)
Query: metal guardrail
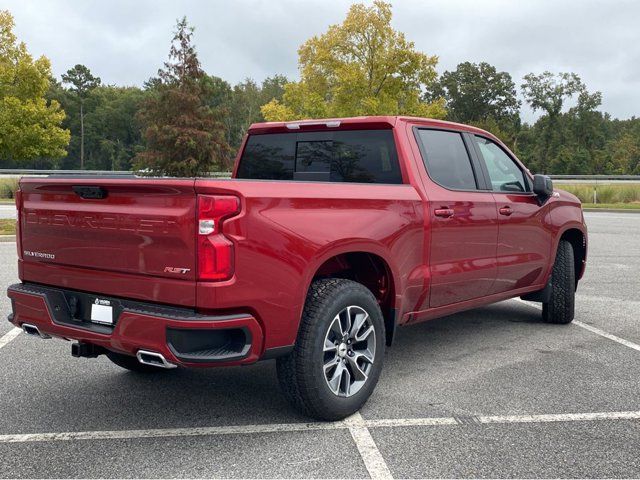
(21, 171)
(18, 172)
(615, 178)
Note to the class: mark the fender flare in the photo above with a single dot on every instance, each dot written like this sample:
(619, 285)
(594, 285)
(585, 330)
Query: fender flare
(351, 246)
(572, 225)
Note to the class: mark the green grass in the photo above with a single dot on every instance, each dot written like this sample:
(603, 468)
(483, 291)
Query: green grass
(8, 187)
(7, 201)
(619, 193)
(7, 226)
(613, 206)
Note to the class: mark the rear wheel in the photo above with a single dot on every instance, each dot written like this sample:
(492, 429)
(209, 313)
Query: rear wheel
(560, 307)
(131, 363)
(336, 362)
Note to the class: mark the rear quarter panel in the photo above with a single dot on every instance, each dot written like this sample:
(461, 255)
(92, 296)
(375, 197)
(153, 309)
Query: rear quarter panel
(288, 229)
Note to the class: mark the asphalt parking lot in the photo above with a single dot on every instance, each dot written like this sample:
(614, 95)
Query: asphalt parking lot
(488, 393)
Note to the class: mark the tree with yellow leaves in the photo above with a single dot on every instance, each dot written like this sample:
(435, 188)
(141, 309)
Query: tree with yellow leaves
(29, 126)
(360, 67)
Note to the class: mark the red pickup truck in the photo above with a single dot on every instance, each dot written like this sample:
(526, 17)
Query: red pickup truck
(330, 234)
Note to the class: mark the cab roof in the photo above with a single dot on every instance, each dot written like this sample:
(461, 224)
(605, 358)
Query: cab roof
(356, 123)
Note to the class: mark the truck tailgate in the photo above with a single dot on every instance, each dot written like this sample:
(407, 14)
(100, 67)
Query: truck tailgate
(134, 228)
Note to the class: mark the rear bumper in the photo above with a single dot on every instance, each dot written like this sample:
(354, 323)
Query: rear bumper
(184, 337)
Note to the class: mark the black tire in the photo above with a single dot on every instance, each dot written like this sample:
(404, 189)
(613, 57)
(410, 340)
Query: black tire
(131, 363)
(301, 373)
(560, 308)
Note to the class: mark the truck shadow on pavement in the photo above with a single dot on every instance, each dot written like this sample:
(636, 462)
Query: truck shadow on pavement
(107, 397)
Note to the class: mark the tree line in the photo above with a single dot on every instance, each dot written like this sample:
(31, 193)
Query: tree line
(185, 121)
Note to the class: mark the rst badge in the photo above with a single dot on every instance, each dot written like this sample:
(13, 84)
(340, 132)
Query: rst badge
(176, 270)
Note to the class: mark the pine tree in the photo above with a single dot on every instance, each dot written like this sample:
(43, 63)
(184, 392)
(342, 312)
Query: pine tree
(183, 134)
(82, 83)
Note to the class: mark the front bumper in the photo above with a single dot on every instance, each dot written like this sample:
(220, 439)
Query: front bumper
(182, 336)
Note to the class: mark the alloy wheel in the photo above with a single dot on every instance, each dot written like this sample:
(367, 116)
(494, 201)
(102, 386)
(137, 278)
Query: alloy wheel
(349, 351)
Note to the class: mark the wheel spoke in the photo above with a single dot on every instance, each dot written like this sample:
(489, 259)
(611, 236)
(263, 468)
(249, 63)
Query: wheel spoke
(358, 373)
(364, 335)
(329, 346)
(330, 363)
(346, 381)
(366, 354)
(360, 318)
(336, 328)
(346, 327)
(336, 378)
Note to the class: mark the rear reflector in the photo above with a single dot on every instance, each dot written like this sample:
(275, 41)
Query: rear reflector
(215, 251)
(206, 227)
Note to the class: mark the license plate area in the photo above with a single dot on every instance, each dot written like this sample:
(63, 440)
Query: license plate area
(102, 312)
(90, 309)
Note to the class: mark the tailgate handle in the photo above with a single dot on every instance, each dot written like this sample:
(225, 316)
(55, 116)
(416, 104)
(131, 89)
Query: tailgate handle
(90, 192)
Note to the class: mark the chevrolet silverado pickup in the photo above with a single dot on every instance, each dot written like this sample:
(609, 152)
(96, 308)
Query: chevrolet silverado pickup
(329, 235)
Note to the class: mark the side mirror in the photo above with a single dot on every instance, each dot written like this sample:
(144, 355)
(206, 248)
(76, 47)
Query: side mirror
(542, 186)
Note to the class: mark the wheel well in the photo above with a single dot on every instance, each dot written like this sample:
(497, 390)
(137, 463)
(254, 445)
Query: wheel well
(373, 272)
(577, 240)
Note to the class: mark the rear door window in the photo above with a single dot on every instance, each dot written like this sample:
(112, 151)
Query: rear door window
(446, 159)
(363, 156)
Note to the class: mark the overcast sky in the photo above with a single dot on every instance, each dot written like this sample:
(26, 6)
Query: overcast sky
(125, 41)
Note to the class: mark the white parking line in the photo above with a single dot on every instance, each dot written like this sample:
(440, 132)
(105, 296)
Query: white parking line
(371, 456)
(169, 432)
(592, 329)
(10, 335)
(411, 422)
(602, 215)
(560, 417)
(317, 426)
(610, 336)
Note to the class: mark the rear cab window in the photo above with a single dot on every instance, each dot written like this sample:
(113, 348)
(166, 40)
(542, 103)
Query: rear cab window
(359, 156)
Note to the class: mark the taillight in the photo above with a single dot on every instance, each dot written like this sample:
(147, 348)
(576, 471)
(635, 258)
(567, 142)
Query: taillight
(215, 251)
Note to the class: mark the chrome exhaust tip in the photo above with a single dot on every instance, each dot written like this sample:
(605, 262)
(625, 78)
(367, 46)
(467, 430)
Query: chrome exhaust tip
(154, 359)
(30, 329)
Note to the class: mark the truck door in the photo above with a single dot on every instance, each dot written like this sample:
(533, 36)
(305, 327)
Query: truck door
(463, 226)
(524, 239)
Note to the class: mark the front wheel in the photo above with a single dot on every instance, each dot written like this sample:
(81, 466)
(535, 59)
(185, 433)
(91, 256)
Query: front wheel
(561, 304)
(336, 362)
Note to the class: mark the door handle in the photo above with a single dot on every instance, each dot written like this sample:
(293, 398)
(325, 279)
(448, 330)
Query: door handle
(505, 211)
(443, 212)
